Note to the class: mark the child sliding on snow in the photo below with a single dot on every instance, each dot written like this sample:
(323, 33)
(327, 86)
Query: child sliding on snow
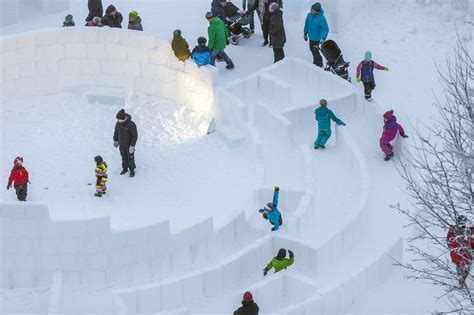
(19, 177)
(323, 116)
(270, 211)
(280, 262)
(365, 73)
(101, 176)
(390, 129)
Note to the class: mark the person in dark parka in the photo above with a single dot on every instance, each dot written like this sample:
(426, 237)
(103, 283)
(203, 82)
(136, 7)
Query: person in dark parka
(112, 17)
(262, 6)
(277, 31)
(249, 307)
(95, 9)
(125, 138)
(217, 9)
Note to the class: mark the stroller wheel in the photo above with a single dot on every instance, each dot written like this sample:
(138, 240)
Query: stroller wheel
(234, 39)
(246, 32)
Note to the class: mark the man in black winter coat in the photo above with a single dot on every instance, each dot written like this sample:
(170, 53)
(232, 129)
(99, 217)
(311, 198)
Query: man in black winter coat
(112, 18)
(265, 16)
(125, 138)
(95, 9)
(277, 32)
(249, 307)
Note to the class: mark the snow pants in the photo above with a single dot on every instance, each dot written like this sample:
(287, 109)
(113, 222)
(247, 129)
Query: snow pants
(314, 47)
(323, 137)
(21, 191)
(386, 146)
(278, 54)
(100, 184)
(368, 88)
(128, 159)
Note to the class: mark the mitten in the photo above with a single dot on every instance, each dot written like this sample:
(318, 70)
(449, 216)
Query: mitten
(9, 186)
(277, 188)
(273, 229)
(260, 210)
(403, 135)
(291, 254)
(385, 68)
(357, 79)
(265, 271)
(305, 37)
(116, 144)
(132, 149)
(341, 123)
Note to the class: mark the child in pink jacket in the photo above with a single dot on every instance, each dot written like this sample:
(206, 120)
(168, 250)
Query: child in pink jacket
(390, 129)
(365, 73)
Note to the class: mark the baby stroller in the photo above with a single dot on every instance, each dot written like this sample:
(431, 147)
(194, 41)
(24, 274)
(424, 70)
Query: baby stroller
(237, 28)
(335, 61)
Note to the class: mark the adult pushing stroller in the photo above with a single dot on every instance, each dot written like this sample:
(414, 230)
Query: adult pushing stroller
(237, 28)
(335, 61)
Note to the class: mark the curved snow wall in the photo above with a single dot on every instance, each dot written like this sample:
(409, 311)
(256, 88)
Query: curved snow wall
(54, 60)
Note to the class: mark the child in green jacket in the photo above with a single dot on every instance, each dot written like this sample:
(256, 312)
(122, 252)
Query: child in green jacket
(280, 262)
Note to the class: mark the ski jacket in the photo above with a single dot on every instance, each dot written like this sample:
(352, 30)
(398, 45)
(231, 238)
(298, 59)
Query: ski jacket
(201, 55)
(217, 10)
(101, 170)
(280, 263)
(135, 24)
(217, 33)
(126, 133)
(316, 26)
(18, 175)
(323, 116)
(274, 215)
(391, 127)
(95, 9)
(461, 245)
(180, 47)
(112, 21)
(247, 308)
(277, 30)
(365, 70)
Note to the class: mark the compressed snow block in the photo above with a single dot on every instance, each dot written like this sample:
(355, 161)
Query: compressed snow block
(193, 288)
(149, 301)
(11, 72)
(140, 272)
(137, 54)
(90, 35)
(96, 51)
(231, 270)
(76, 50)
(331, 301)
(27, 69)
(46, 38)
(26, 55)
(130, 299)
(8, 58)
(213, 281)
(50, 53)
(172, 295)
(348, 293)
(9, 12)
(21, 279)
(147, 41)
(116, 52)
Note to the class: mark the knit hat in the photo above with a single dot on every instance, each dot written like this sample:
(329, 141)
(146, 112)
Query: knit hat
(69, 18)
(209, 15)
(176, 33)
(273, 7)
(323, 102)
(388, 115)
(268, 206)
(368, 55)
(202, 40)
(133, 15)
(18, 160)
(316, 7)
(121, 114)
(96, 20)
(98, 159)
(281, 253)
(248, 297)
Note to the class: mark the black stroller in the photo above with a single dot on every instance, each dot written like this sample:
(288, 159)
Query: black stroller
(237, 28)
(335, 61)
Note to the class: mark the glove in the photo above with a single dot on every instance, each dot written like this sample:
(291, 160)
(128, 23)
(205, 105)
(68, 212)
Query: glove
(386, 69)
(291, 254)
(265, 271)
(403, 135)
(277, 188)
(358, 80)
(132, 149)
(9, 186)
(305, 37)
(116, 144)
(260, 210)
(273, 229)
(342, 123)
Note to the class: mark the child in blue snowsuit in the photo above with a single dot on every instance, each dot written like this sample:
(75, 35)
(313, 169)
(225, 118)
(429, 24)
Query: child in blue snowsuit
(324, 116)
(270, 211)
(201, 53)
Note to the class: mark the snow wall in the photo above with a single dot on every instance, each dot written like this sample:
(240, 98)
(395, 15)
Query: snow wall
(14, 11)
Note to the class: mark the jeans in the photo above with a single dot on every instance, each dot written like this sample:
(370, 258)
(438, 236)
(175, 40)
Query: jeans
(222, 54)
(314, 47)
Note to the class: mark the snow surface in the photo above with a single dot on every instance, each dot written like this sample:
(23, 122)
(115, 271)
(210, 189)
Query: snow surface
(340, 247)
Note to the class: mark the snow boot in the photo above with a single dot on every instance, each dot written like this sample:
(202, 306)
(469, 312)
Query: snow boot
(388, 157)
(132, 173)
(98, 194)
(265, 43)
(370, 99)
(230, 66)
(316, 147)
(322, 146)
(123, 171)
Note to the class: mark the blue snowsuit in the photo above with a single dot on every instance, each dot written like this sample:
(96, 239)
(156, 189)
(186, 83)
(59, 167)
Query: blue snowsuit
(201, 55)
(324, 116)
(274, 216)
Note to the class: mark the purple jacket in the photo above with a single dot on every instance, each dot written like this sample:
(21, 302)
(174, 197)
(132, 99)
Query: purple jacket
(391, 127)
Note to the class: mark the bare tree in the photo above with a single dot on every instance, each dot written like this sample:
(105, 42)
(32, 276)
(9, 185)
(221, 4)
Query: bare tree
(439, 183)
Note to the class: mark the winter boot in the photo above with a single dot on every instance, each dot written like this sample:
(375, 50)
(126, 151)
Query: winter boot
(97, 194)
(316, 147)
(123, 171)
(388, 157)
(132, 173)
(265, 43)
(230, 66)
(322, 146)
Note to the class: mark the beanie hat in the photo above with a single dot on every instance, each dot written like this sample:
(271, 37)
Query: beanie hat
(96, 20)
(18, 160)
(133, 15)
(209, 15)
(202, 41)
(98, 159)
(281, 253)
(268, 206)
(248, 297)
(121, 114)
(388, 115)
(176, 33)
(68, 18)
(273, 7)
(368, 55)
(323, 102)
(316, 7)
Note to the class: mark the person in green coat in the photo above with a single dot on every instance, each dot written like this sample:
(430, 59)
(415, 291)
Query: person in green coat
(218, 39)
(324, 116)
(180, 46)
(280, 262)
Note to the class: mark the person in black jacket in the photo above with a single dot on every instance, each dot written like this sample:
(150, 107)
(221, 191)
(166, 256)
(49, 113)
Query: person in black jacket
(277, 31)
(95, 9)
(112, 18)
(263, 5)
(249, 307)
(125, 138)
(217, 9)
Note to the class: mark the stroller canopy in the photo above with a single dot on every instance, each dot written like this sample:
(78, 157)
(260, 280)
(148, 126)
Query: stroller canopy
(330, 50)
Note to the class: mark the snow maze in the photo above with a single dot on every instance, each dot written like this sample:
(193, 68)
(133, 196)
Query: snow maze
(87, 266)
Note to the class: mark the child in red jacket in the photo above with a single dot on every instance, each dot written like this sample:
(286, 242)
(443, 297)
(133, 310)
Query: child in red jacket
(19, 178)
